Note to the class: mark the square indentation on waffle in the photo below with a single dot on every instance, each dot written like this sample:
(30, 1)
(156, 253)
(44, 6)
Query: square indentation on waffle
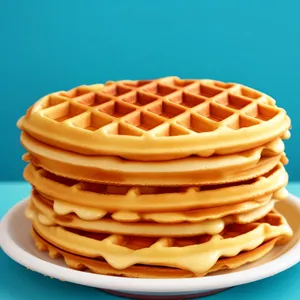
(233, 101)
(262, 112)
(242, 122)
(247, 92)
(116, 109)
(186, 99)
(63, 112)
(214, 112)
(91, 121)
(197, 123)
(123, 129)
(76, 92)
(204, 90)
(139, 98)
(159, 89)
(115, 90)
(166, 109)
(52, 100)
(93, 99)
(143, 120)
(171, 130)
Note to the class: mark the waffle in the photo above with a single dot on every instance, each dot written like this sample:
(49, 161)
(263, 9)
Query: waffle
(160, 119)
(48, 217)
(111, 198)
(139, 271)
(184, 172)
(240, 210)
(195, 254)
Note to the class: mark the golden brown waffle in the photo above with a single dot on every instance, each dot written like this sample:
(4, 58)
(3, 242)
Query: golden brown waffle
(159, 119)
(195, 254)
(112, 199)
(47, 216)
(239, 211)
(139, 271)
(188, 171)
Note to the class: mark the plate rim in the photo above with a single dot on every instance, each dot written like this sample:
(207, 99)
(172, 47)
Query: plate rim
(142, 285)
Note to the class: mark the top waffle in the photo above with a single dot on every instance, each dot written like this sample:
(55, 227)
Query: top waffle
(161, 119)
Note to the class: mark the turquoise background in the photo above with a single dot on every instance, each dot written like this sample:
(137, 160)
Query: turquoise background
(52, 45)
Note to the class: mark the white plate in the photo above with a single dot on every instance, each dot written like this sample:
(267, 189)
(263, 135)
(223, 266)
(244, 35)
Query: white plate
(16, 242)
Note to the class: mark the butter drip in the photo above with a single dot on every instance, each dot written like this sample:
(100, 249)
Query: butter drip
(84, 213)
(31, 213)
(198, 258)
(93, 214)
(274, 148)
(286, 135)
(45, 220)
(126, 216)
(281, 194)
(47, 216)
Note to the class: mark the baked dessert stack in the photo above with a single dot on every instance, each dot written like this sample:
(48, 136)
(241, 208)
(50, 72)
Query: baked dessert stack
(164, 178)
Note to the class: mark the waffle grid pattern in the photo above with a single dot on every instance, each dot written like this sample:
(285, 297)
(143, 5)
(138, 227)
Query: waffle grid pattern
(157, 120)
(165, 107)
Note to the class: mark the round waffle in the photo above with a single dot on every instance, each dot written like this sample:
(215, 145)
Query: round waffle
(184, 172)
(195, 254)
(141, 271)
(112, 199)
(161, 119)
(239, 211)
(47, 216)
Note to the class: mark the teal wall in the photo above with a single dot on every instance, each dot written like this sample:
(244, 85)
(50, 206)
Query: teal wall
(52, 45)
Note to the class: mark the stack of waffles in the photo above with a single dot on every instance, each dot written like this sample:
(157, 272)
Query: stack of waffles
(164, 178)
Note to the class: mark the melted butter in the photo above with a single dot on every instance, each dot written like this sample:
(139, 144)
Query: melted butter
(44, 220)
(30, 212)
(197, 258)
(126, 216)
(281, 194)
(286, 135)
(85, 213)
(212, 226)
(274, 148)
(251, 216)
(206, 227)
(187, 229)
(172, 217)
